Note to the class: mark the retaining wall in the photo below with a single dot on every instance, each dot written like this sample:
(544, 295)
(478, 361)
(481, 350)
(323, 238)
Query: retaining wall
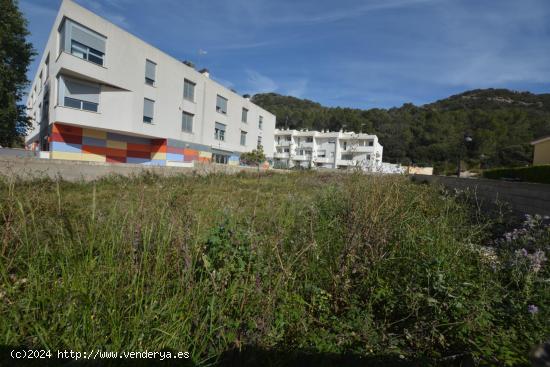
(28, 168)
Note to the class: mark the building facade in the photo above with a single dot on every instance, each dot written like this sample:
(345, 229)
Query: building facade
(314, 149)
(101, 94)
(541, 150)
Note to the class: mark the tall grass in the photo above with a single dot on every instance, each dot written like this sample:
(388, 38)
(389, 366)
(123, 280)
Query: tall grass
(306, 262)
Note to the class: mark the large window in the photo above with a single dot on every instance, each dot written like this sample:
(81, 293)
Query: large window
(79, 94)
(219, 132)
(187, 122)
(221, 105)
(148, 110)
(150, 72)
(261, 123)
(243, 137)
(244, 117)
(220, 158)
(82, 42)
(189, 90)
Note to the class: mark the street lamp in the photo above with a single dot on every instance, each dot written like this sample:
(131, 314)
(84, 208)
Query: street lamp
(463, 144)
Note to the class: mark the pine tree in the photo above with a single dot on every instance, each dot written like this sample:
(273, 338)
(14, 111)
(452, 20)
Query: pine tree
(15, 56)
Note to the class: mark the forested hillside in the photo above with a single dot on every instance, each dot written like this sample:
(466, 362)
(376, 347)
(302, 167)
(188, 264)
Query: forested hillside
(501, 122)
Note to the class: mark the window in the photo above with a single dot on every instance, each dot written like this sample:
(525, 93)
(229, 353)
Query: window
(259, 145)
(150, 72)
(243, 137)
(219, 132)
(261, 123)
(371, 143)
(286, 150)
(187, 122)
(148, 110)
(79, 94)
(47, 68)
(221, 105)
(288, 138)
(189, 90)
(368, 157)
(309, 139)
(82, 42)
(220, 158)
(244, 117)
(346, 157)
(321, 153)
(40, 82)
(345, 145)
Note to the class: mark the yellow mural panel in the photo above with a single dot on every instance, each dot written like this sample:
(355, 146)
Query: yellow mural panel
(158, 156)
(66, 155)
(90, 157)
(116, 144)
(97, 134)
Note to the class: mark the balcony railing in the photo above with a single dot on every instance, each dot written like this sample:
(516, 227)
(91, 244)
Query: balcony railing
(281, 155)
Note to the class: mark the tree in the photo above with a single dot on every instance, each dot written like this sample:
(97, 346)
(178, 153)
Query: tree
(253, 158)
(15, 56)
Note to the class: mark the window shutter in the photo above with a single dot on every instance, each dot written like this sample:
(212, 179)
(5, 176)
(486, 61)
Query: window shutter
(87, 38)
(148, 108)
(150, 70)
(81, 91)
(220, 126)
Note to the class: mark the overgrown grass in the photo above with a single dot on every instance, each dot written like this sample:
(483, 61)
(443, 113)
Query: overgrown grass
(304, 262)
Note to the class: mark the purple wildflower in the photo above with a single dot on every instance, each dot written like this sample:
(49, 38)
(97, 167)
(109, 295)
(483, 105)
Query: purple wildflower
(532, 309)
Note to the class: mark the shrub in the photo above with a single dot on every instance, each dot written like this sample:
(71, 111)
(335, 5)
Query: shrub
(325, 264)
(540, 174)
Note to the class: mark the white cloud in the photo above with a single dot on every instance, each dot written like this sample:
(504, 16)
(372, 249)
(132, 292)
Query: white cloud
(99, 7)
(296, 88)
(258, 83)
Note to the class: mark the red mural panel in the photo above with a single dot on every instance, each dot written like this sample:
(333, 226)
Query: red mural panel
(139, 148)
(66, 138)
(138, 154)
(67, 130)
(114, 159)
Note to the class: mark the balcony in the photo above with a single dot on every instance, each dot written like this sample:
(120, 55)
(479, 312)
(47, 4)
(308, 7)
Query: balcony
(305, 145)
(281, 155)
(358, 149)
(345, 162)
(302, 158)
(324, 160)
(284, 143)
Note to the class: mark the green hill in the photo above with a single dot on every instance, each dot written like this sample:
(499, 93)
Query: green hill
(501, 123)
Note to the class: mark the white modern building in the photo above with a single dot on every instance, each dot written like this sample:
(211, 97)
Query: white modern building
(101, 94)
(314, 149)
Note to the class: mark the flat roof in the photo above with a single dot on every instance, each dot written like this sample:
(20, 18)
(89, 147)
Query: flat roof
(540, 140)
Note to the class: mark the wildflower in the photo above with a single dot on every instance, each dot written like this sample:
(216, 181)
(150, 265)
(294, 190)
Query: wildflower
(532, 309)
(537, 260)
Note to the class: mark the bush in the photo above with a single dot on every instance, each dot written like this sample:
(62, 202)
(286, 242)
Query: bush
(540, 174)
(326, 264)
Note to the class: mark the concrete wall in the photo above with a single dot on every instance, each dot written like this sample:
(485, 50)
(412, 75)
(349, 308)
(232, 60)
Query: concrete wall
(523, 197)
(28, 168)
(419, 170)
(123, 89)
(542, 153)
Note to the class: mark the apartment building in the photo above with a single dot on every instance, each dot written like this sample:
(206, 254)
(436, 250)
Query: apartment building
(102, 94)
(325, 149)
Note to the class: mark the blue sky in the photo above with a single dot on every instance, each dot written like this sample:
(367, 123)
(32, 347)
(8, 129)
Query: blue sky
(349, 53)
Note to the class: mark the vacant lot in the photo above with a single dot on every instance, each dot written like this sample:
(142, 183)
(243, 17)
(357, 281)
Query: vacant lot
(329, 268)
